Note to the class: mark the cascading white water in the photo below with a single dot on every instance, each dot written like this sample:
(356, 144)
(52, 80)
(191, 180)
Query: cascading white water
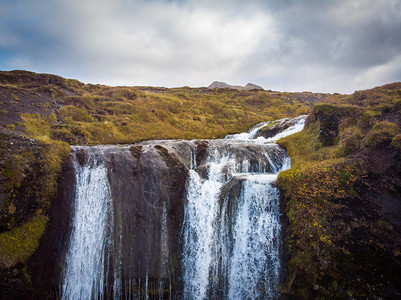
(254, 264)
(85, 273)
(200, 211)
(234, 253)
(231, 228)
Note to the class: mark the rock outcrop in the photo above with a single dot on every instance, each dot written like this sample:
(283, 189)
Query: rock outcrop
(147, 186)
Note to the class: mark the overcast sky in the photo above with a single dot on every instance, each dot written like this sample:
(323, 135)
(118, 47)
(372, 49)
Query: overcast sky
(286, 45)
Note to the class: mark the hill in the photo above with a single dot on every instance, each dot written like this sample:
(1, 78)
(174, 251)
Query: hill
(51, 107)
(247, 87)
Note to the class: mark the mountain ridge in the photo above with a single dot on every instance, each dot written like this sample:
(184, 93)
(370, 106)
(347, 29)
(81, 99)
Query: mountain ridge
(247, 87)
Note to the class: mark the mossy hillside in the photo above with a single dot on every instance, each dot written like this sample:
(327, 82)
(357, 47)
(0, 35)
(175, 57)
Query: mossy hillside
(331, 157)
(176, 113)
(339, 242)
(97, 114)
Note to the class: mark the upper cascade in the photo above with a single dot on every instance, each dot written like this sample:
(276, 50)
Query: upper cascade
(270, 132)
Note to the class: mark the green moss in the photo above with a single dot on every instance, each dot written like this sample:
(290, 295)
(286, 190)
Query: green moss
(73, 113)
(382, 132)
(18, 244)
(350, 140)
(324, 108)
(14, 171)
(37, 126)
(369, 117)
(305, 147)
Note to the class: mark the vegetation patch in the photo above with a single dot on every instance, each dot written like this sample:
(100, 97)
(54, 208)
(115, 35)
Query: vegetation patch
(18, 244)
(382, 132)
(340, 241)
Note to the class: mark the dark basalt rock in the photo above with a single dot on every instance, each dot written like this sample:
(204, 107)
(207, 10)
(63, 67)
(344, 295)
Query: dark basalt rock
(147, 192)
(201, 152)
(272, 129)
(148, 184)
(275, 127)
(15, 284)
(136, 151)
(81, 156)
(46, 265)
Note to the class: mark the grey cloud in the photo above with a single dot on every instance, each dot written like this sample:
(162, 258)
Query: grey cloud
(283, 45)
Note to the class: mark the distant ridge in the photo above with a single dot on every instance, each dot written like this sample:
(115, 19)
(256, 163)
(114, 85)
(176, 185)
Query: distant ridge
(248, 86)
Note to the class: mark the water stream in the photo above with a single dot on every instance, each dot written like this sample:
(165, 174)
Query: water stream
(84, 274)
(230, 230)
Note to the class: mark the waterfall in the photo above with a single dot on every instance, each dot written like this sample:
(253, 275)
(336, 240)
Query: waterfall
(178, 219)
(85, 273)
(254, 264)
(232, 238)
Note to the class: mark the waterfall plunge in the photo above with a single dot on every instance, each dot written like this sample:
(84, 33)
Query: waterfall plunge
(254, 264)
(85, 273)
(231, 250)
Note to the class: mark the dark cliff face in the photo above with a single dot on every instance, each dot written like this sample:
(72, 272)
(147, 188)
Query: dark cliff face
(147, 186)
(47, 263)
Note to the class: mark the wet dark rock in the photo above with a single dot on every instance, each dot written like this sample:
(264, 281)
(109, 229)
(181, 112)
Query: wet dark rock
(203, 170)
(80, 153)
(145, 189)
(136, 151)
(229, 196)
(272, 129)
(201, 152)
(15, 283)
(275, 127)
(147, 185)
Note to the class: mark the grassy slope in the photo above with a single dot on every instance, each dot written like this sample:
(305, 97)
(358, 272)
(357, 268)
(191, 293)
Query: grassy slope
(93, 114)
(343, 197)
